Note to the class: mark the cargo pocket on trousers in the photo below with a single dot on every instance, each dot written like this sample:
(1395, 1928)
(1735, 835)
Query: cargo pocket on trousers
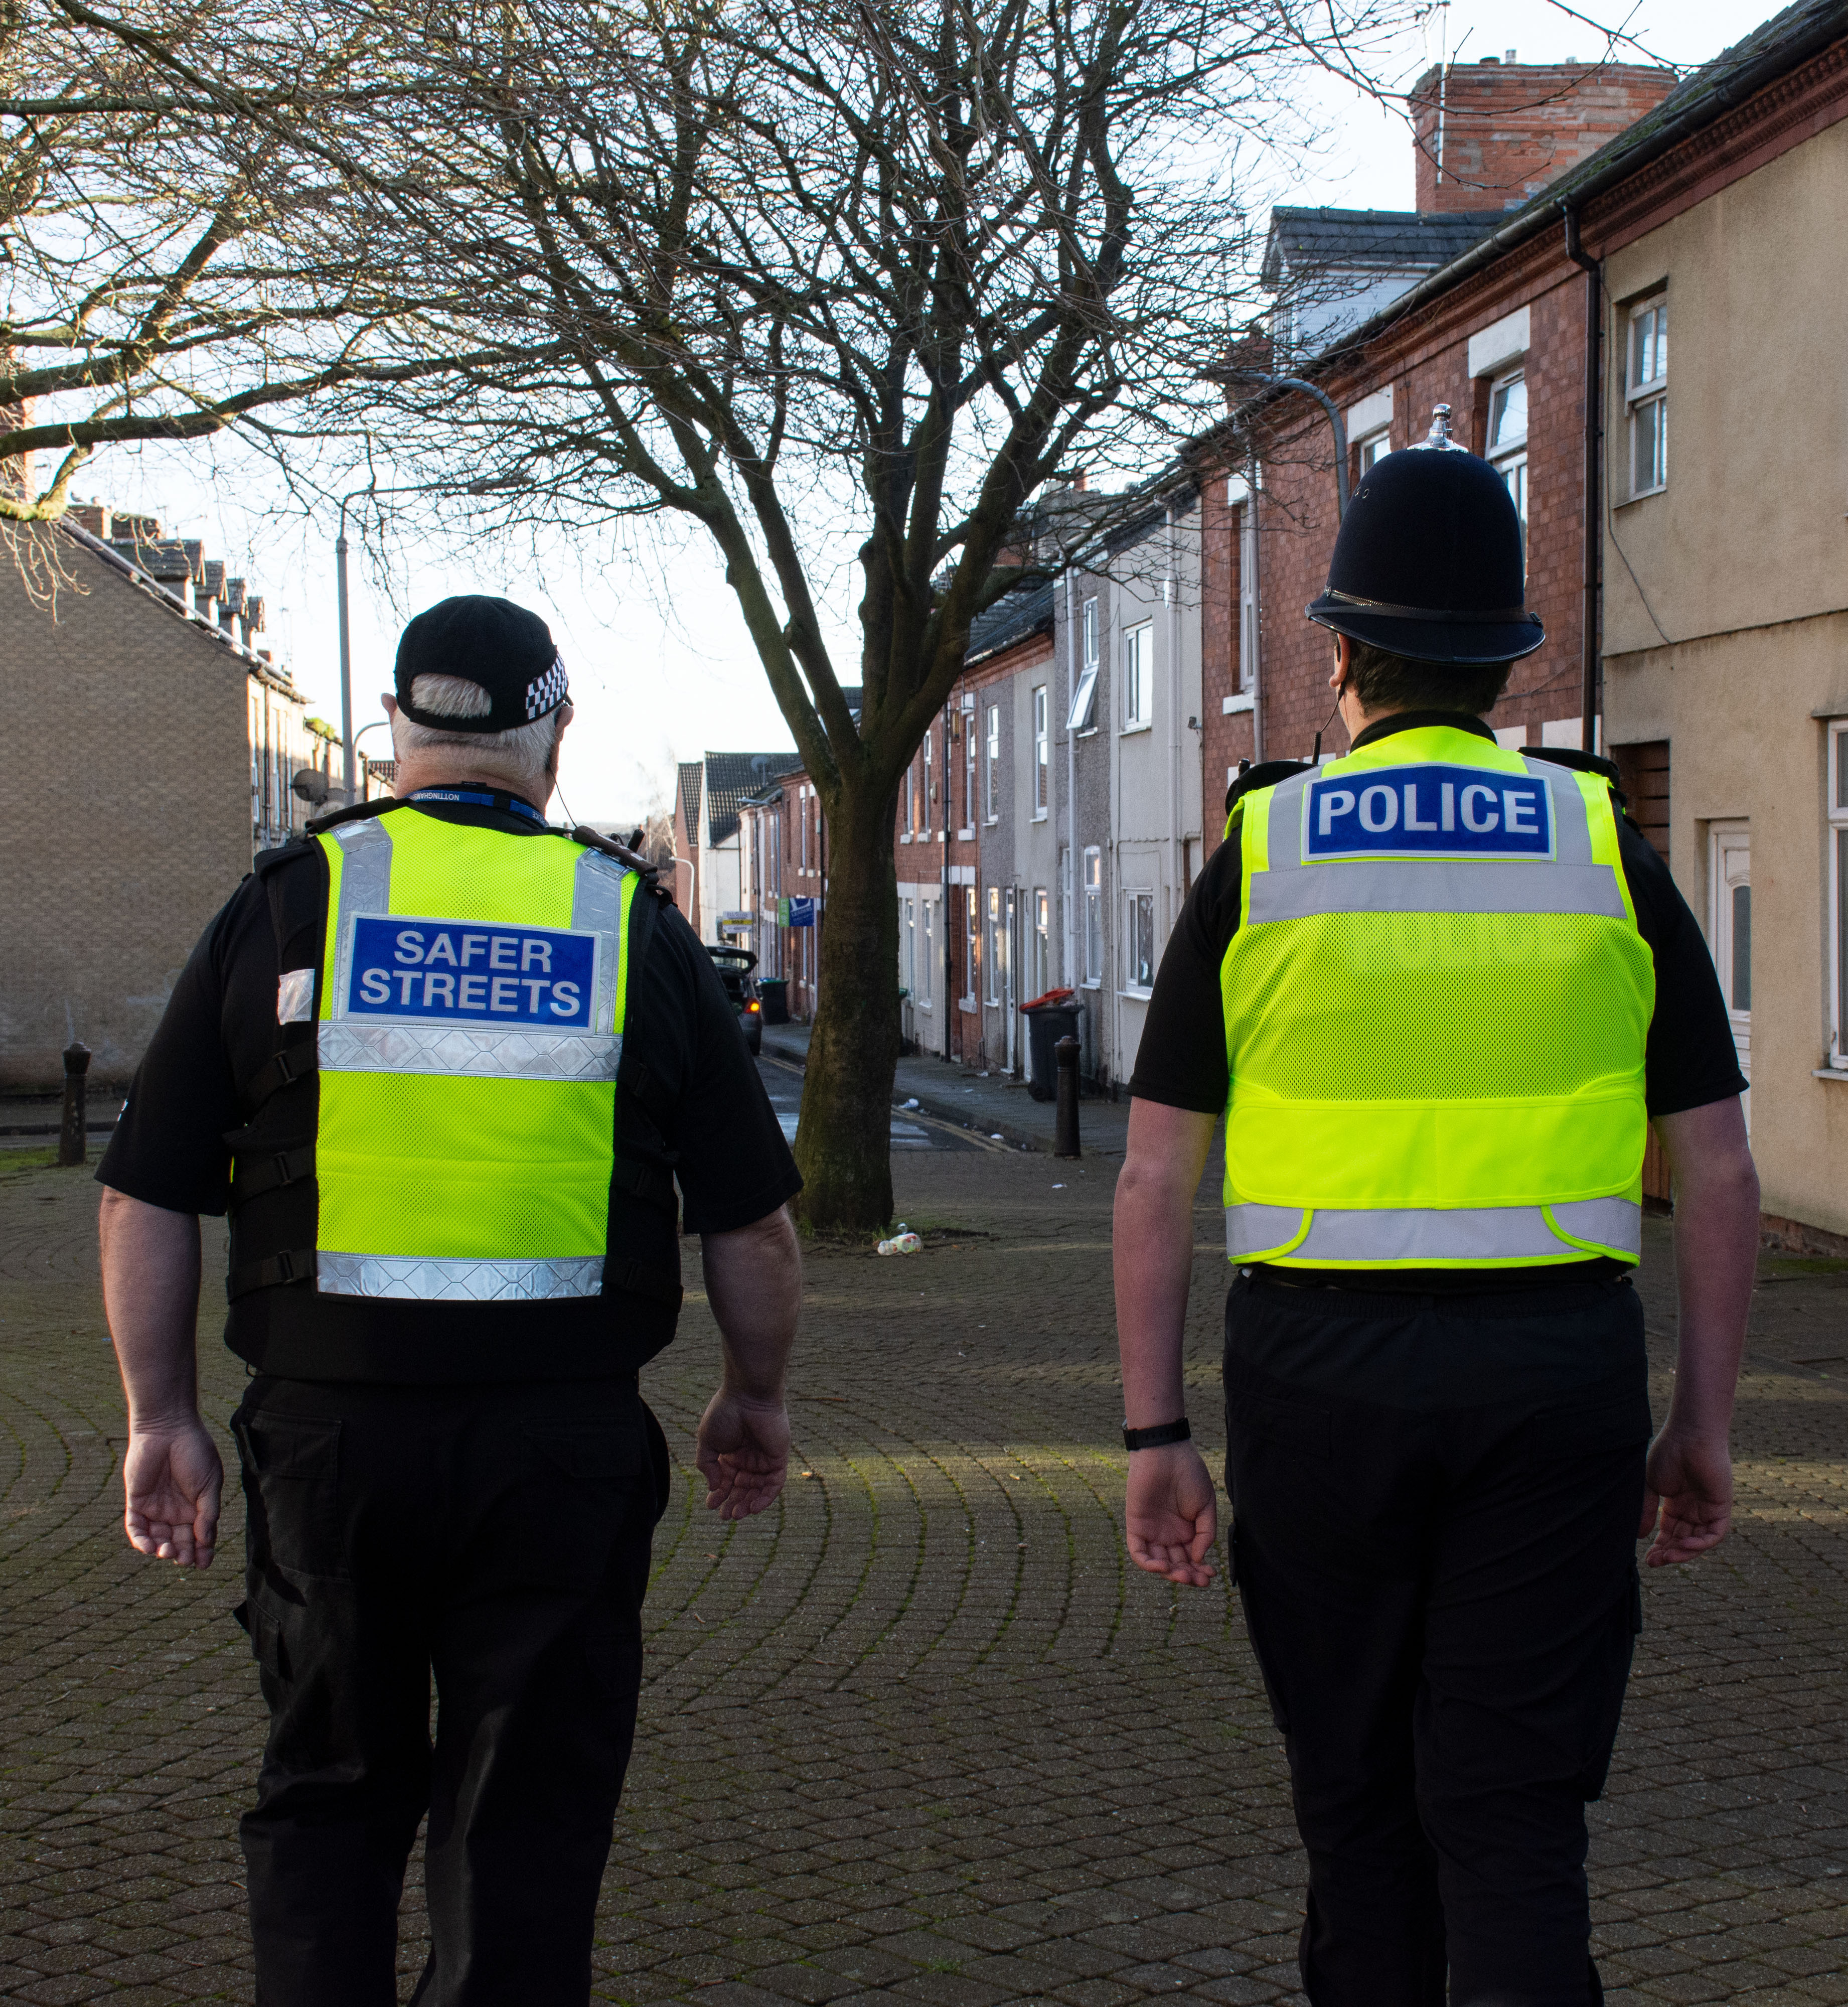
(291, 1490)
(265, 1632)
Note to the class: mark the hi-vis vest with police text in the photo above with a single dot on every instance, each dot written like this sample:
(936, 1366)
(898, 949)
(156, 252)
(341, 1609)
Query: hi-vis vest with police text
(1436, 1004)
(468, 1031)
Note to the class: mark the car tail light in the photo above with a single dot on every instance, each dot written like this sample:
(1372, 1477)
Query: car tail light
(754, 1005)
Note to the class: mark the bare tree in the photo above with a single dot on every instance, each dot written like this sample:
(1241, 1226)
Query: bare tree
(804, 271)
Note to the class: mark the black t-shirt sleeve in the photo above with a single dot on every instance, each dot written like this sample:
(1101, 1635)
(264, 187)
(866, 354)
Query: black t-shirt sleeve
(1690, 1059)
(1181, 1061)
(169, 1147)
(729, 1154)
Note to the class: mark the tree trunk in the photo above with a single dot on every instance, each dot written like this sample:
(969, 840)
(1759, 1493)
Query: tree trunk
(843, 1145)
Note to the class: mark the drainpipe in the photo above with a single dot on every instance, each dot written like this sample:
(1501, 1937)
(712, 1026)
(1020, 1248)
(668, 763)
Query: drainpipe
(1070, 888)
(944, 832)
(1171, 594)
(1257, 611)
(1594, 480)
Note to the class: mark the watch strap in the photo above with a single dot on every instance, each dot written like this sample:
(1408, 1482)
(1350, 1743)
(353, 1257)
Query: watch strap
(1157, 1437)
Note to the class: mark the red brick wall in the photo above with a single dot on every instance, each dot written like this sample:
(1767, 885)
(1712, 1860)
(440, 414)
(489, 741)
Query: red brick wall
(1509, 129)
(1426, 362)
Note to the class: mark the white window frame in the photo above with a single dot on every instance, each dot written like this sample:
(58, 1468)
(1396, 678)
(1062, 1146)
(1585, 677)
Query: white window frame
(1083, 715)
(1042, 941)
(1138, 677)
(1645, 399)
(991, 958)
(1043, 753)
(924, 826)
(971, 947)
(908, 949)
(992, 748)
(1138, 915)
(1248, 623)
(908, 817)
(802, 812)
(967, 825)
(1093, 945)
(927, 933)
(1374, 448)
(1508, 456)
(1838, 893)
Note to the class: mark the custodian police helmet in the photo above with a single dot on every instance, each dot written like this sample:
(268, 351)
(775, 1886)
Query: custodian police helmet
(1429, 563)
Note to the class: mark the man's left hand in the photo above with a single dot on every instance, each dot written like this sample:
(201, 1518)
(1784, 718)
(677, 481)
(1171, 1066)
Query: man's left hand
(1172, 1513)
(172, 1478)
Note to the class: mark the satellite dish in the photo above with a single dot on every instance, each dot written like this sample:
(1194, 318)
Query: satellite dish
(311, 783)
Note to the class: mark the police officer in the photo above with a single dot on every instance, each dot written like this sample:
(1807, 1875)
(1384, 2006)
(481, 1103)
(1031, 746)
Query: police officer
(443, 1065)
(1438, 990)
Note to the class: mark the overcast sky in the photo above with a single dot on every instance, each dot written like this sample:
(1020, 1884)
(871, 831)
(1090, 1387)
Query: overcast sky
(661, 667)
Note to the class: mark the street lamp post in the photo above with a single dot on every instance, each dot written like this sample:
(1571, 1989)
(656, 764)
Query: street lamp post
(339, 566)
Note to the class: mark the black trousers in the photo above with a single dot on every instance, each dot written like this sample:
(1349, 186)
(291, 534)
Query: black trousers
(498, 1537)
(1435, 1503)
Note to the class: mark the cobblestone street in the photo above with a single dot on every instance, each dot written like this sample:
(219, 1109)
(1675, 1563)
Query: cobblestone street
(921, 1731)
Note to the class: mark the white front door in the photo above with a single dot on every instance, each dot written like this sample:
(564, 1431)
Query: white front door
(1731, 876)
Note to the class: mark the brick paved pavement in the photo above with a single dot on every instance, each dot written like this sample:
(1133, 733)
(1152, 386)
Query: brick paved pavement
(920, 1732)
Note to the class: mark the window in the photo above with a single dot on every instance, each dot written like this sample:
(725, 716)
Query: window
(993, 798)
(1138, 677)
(1507, 441)
(1248, 627)
(1139, 947)
(972, 950)
(1083, 717)
(802, 818)
(1646, 395)
(968, 767)
(1042, 941)
(927, 951)
(992, 958)
(924, 818)
(907, 813)
(1042, 760)
(1838, 892)
(908, 948)
(1375, 448)
(1094, 916)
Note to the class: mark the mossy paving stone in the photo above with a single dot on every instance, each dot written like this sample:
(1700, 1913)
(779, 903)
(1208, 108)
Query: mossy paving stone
(921, 1731)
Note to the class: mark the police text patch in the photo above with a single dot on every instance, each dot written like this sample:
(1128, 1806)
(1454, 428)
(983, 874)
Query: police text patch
(1427, 811)
(476, 972)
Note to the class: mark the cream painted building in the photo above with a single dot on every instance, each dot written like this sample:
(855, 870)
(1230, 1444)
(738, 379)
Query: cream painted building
(1726, 587)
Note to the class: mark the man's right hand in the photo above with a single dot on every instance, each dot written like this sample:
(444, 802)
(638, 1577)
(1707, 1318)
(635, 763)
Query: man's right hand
(172, 1477)
(1687, 1502)
(742, 1451)
(1172, 1513)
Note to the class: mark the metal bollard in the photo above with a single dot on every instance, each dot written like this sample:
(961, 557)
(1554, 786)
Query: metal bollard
(1066, 1135)
(73, 1137)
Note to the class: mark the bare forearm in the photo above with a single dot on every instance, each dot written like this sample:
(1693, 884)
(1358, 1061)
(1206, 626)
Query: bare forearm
(150, 1296)
(1152, 1240)
(753, 1281)
(1717, 1252)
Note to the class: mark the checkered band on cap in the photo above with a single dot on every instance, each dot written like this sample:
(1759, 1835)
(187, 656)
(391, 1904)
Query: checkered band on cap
(545, 693)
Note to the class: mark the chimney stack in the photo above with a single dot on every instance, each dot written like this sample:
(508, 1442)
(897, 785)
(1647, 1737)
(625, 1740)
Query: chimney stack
(1490, 135)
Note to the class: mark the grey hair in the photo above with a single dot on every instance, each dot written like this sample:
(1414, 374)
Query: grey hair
(520, 756)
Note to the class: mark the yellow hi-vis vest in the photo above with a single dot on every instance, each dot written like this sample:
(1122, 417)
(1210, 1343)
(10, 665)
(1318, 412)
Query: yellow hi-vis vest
(469, 1031)
(1436, 1006)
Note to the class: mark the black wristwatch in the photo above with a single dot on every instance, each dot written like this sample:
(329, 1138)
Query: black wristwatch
(1162, 1433)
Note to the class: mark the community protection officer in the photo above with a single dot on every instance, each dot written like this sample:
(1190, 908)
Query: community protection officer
(1439, 989)
(443, 1065)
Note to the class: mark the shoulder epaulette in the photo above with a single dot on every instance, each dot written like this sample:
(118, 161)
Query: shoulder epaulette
(355, 812)
(650, 874)
(1266, 774)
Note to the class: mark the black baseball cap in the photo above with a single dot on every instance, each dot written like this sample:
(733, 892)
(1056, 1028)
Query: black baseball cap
(506, 650)
(1428, 565)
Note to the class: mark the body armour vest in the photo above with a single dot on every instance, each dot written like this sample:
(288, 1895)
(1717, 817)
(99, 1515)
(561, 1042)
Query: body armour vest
(1436, 1004)
(447, 1073)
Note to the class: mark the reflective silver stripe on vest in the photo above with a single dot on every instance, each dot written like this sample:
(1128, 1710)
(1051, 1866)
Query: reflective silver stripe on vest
(596, 908)
(430, 1278)
(480, 1051)
(1399, 885)
(366, 888)
(1374, 1237)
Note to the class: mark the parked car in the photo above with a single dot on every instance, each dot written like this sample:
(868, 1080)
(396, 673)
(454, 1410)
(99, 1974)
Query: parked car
(734, 965)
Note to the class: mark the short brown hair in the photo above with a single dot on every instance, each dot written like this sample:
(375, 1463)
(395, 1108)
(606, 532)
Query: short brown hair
(1384, 682)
